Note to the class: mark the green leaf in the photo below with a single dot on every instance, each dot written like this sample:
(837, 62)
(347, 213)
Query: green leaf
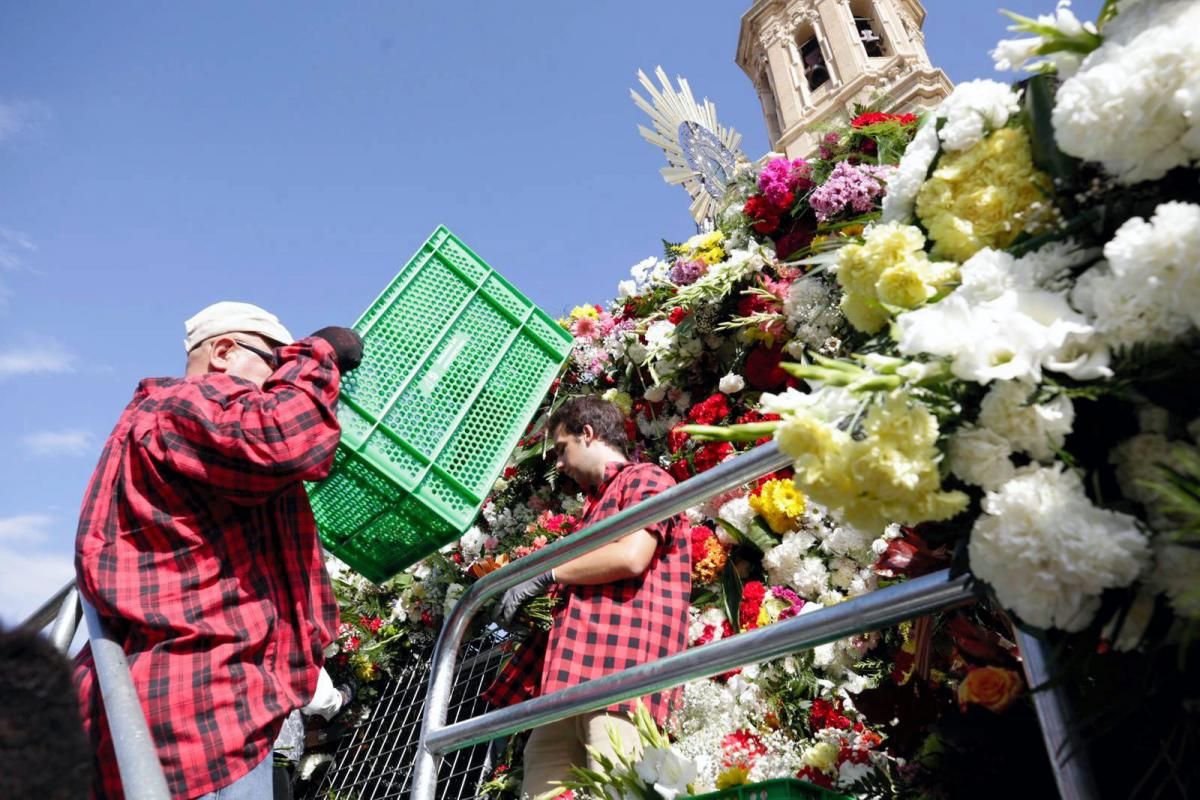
(760, 535)
(1039, 105)
(731, 593)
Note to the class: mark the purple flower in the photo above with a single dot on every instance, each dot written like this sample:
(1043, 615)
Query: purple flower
(849, 186)
(685, 273)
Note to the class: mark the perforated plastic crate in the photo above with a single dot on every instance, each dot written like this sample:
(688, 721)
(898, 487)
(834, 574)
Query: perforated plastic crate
(455, 363)
(775, 789)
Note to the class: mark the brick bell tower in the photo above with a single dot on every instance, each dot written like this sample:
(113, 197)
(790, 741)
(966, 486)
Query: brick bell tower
(812, 60)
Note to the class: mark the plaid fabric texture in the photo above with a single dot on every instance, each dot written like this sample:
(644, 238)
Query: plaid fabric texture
(599, 630)
(197, 546)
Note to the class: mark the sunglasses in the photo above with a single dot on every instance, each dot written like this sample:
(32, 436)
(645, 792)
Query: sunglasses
(265, 355)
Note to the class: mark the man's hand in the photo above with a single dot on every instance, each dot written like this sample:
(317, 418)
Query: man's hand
(520, 594)
(347, 346)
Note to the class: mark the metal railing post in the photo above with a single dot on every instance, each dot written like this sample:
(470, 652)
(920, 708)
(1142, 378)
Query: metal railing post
(1068, 757)
(67, 621)
(729, 475)
(141, 772)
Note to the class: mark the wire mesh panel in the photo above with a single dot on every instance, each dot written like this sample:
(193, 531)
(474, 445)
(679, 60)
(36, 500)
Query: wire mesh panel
(375, 760)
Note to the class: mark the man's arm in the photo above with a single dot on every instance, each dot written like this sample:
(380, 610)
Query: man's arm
(250, 444)
(627, 557)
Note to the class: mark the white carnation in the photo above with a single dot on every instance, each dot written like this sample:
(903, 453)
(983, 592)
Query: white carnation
(1134, 104)
(975, 109)
(472, 542)
(1049, 553)
(981, 457)
(1148, 290)
(732, 383)
(660, 335)
(1038, 429)
(626, 289)
(738, 513)
(1000, 324)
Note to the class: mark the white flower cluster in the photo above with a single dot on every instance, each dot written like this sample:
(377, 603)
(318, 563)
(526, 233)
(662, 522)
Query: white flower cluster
(1001, 324)
(507, 522)
(1148, 289)
(973, 110)
(1134, 104)
(812, 312)
(646, 274)
(1038, 429)
(905, 182)
(1049, 553)
(1016, 54)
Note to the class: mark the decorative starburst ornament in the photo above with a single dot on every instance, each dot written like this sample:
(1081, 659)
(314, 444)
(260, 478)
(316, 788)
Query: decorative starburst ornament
(701, 153)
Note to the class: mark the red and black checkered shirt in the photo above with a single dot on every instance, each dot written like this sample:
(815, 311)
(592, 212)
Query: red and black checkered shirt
(602, 629)
(197, 546)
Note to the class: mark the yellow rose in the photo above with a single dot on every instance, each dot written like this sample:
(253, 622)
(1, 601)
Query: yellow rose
(994, 688)
(985, 196)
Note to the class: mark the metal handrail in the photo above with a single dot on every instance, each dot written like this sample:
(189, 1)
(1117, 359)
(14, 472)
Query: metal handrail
(48, 611)
(868, 612)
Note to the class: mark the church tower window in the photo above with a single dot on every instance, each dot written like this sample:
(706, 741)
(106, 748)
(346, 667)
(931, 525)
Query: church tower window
(812, 59)
(870, 31)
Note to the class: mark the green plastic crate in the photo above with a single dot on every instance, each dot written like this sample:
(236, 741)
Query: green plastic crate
(455, 363)
(774, 789)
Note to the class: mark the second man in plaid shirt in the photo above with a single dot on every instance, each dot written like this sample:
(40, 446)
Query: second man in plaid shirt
(623, 604)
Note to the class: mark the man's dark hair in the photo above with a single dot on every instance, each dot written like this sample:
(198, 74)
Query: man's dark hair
(607, 421)
(43, 750)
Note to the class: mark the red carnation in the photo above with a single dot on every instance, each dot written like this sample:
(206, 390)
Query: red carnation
(677, 315)
(766, 218)
(762, 369)
(679, 470)
(676, 438)
(700, 535)
(709, 411)
(752, 598)
(710, 455)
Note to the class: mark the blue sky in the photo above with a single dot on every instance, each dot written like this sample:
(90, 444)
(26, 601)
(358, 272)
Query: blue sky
(155, 158)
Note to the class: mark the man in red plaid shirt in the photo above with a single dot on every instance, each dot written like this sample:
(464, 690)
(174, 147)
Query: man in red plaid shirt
(197, 547)
(623, 604)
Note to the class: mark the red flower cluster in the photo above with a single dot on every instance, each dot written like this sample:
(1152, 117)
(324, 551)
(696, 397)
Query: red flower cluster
(680, 470)
(825, 714)
(700, 534)
(741, 749)
(676, 438)
(875, 117)
(710, 411)
(710, 632)
(752, 600)
(762, 369)
(677, 315)
(711, 454)
(766, 216)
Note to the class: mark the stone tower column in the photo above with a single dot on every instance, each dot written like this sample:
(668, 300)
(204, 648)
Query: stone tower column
(811, 61)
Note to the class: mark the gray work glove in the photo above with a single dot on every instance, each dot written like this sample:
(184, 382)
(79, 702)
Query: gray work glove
(522, 593)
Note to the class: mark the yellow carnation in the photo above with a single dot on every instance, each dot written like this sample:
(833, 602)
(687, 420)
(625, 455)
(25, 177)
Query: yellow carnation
(890, 475)
(780, 503)
(704, 246)
(889, 268)
(734, 776)
(984, 196)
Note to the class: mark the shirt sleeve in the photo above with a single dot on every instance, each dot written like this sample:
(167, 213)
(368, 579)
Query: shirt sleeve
(643, 482)
(248, 443)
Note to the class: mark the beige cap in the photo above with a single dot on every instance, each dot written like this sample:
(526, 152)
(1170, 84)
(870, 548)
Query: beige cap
(231, 317)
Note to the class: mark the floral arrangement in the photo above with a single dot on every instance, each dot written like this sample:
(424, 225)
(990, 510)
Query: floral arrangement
(972, 332)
